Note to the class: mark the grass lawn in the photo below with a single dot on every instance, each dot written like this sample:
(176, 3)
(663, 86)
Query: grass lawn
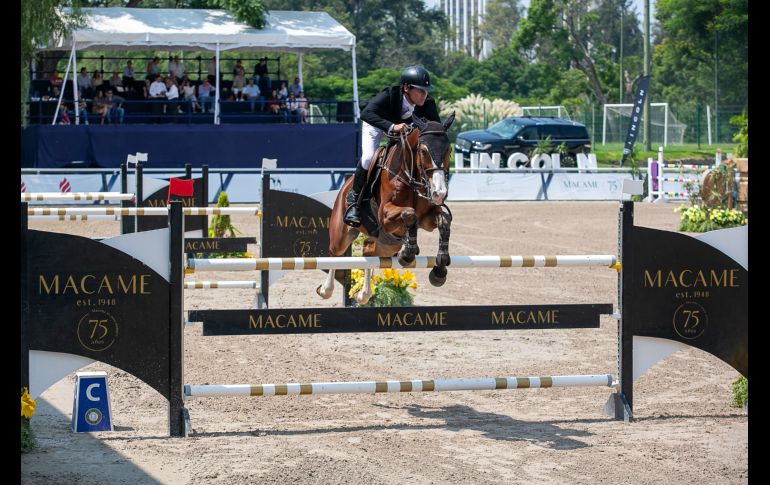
(609, 155)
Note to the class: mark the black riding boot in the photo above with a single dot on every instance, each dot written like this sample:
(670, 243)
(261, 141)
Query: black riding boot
(353, 214)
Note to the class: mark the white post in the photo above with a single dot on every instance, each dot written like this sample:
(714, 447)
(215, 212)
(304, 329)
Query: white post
(650, 187)
(708, 121)
(299, 69)
(604, 126)
(446, 12)
(665, 125)
(75, 84)
(356, 108)
(63, 85)
(216, 95)
(457, 25)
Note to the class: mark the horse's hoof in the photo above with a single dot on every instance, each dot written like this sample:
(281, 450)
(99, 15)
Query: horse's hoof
(404, 259)
(321, 293)
(437, 279)
(443, 260)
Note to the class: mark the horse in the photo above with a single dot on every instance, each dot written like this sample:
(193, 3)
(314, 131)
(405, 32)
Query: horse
(409, 193)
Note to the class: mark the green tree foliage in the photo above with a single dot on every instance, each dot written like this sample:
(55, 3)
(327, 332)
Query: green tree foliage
(501, 21)
(40, 23)
(389, 33)
(692, 33)
(581, 35)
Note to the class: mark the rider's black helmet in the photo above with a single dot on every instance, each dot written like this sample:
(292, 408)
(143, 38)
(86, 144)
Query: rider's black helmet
(416, 76)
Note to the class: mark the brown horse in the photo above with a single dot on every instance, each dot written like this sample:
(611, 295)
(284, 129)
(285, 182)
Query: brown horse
(410, 193)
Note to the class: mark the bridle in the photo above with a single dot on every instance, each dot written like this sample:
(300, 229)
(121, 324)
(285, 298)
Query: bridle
(421, 186)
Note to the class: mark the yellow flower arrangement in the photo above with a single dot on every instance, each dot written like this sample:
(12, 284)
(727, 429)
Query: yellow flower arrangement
(388, 289)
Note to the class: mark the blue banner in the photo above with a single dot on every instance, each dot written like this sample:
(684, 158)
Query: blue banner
(636, 116)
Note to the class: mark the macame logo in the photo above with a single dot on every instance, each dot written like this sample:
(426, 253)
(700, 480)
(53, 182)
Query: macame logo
(64, 185)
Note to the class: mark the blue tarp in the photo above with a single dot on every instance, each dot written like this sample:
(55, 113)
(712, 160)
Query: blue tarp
(172, 146)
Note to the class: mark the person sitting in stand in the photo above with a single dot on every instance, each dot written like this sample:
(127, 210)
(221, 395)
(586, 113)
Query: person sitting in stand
(153, 68)
(238, 83)
(251, 94)
(303, 107)
(292, 108)
(176, 69)
(128, 76)
(115, 80)
(283, 92)
(206, 96)
(189, 95)
(55, 79)
(114, 106)
(84, 83)
(296, 87)
(389, 111)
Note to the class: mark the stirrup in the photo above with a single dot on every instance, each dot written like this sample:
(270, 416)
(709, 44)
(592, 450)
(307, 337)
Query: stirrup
(352, 216)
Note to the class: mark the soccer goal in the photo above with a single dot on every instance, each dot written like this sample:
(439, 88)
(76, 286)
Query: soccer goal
(665, 129)
(556, 111)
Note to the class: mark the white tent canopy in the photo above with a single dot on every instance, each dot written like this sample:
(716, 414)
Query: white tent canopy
(215, 30)
(196, 29)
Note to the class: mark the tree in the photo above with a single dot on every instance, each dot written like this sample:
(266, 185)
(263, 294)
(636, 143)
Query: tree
(693, 36)
(501, 20)
(578, 34)
(40, 22)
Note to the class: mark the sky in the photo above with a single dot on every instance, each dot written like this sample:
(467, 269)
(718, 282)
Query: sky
(637, 5)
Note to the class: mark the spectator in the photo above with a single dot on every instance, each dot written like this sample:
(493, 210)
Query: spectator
(261, 77)
(189, 95)
(97, 81)
(303, 107)
(82, 108)
(84, 83)
(153, 68)
(251, 93)
(98, 107)
(157, 92)
(114, 107)
(273, 103)
(128, 75)
(296, 87)
(176, 68)
(292, 108)
(115, 80)
(283, 92)
(206, 96)
(172, 95)
(55, 79)
(238, 84)
(238, 69)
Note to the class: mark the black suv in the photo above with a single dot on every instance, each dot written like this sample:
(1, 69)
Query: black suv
(522, 134)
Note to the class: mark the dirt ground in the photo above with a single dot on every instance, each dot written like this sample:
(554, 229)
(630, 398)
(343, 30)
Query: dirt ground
(685, 432)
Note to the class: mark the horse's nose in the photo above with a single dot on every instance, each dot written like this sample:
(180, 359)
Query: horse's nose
(439, 188)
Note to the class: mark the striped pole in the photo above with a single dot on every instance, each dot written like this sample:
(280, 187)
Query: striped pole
(140, 211)
(100, 217)
(373, 262)
(371, 387)
(211, 285)
(35, 196)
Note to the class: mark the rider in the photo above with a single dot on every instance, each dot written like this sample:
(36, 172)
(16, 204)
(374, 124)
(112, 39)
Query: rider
(390, 110)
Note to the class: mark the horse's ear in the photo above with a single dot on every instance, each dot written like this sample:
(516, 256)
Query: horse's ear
(448, 122)
(419, 123)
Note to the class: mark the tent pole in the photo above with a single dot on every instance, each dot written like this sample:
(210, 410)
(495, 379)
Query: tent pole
(63, 85)
(301, 79)
(216, 95)
(355, 85)
(75, 84)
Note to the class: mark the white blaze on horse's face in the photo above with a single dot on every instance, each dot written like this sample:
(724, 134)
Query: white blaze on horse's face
(438, 188)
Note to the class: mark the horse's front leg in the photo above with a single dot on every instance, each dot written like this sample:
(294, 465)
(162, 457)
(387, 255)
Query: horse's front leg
(410, 249)
(437, 276)
(395, 218)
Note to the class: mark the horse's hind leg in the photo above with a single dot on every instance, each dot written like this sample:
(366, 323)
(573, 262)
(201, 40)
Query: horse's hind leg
(437, 276)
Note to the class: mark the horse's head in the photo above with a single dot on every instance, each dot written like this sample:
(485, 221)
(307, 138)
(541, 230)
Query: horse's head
(433, 155)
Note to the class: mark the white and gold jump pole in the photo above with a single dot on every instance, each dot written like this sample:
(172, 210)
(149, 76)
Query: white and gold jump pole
(372, 387)
(374, 262)
(140, 211)
(70, 196)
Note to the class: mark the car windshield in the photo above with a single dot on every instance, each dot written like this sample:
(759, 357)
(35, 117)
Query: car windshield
(505, 128)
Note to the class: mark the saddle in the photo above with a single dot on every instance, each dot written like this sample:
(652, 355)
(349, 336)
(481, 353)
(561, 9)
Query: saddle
(369, 203)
